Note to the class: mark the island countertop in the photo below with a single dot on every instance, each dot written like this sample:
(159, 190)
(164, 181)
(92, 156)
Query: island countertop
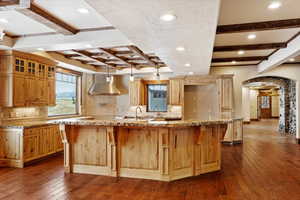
(90, 121)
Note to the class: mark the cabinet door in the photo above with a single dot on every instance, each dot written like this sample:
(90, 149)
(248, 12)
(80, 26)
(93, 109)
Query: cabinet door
(42, 91)
(51, 93)
(19, 94)
(20, 66)
(31, 68)
(59, 146)
(31, 144)
(176, 92)
(207, 155)
(238, 130)
(31, 91)
(226, 97)
(137, 93)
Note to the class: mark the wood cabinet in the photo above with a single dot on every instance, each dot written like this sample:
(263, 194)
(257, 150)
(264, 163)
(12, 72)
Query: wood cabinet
(234, 133)
(137, 92)
(225, 86)
(18, 146)
(176, 92)
(159, 153)
(29, 80)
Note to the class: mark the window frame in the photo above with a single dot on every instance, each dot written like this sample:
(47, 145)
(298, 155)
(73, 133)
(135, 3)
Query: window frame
(78, 103)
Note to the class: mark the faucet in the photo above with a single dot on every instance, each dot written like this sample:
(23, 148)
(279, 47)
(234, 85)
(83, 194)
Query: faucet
(136, 109)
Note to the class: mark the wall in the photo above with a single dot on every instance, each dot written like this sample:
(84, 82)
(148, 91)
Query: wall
(254, 115)
(275, 106)
(201, 102)
(246, 104)
(247, 72)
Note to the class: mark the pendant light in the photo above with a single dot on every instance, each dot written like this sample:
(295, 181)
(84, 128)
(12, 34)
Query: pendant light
(131, 74)
(108, 77)
(157, 74)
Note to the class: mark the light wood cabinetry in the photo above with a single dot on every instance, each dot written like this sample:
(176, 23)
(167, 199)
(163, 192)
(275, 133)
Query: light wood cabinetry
(28, 80)
(18, 146)
(159, 153)
(137, 92)
(225, 86)
(234, 132)
(176, 92)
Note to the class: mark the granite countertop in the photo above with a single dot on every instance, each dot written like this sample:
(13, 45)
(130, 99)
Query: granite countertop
(140, 122)
(25, 124)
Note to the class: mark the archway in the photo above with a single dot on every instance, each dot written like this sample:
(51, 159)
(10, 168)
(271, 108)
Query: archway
(287, 99)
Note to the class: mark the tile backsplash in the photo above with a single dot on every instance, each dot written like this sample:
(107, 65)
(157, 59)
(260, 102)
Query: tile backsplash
(23, 113)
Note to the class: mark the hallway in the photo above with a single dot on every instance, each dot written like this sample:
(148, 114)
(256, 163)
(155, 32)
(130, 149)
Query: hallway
(266, 166)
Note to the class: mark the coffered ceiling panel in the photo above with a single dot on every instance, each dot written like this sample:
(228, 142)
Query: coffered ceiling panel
(231, 54)
(68, 11)
(246, 11)
(282, 35)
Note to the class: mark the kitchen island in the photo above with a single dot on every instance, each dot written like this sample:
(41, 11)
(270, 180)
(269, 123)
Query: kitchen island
(158, 150)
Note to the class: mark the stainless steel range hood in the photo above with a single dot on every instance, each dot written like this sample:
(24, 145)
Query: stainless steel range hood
(101, 87)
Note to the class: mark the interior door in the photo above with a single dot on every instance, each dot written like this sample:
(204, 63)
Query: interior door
(265, 107)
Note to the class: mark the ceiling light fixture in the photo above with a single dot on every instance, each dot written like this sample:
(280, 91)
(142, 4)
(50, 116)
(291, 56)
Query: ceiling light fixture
(3, 20)
(191, 73)
(241, 52)
(167, 17)
(274, 5)
(108, 76)
(180, 48)
(251, 36)
(187, 64)
(40, 49)
(131, 74)
(157, 75)
(292, 59)
(233, 62)
(83, 10)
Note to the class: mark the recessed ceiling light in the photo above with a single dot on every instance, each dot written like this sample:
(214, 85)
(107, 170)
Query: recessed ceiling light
(83, 10)
(292, 59)
(180, 48)
(40, 49)
(187, 64)
(241, 52)
(88, 46)
(191, 73)
(233, 62)
(167, 17)
(251, 36)
(274, 5)
(2, 20)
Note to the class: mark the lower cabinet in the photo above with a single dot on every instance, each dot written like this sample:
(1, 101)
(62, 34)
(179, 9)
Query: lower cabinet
(234, 133)
(18, 146)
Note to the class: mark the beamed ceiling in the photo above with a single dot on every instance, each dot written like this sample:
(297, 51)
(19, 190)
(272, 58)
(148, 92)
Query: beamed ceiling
(274, 29)
(124, 34)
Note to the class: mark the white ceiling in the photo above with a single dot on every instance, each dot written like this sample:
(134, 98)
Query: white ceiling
(245, 11)
(18, 24)
(194, 29)
(67, 11)
(282, 35)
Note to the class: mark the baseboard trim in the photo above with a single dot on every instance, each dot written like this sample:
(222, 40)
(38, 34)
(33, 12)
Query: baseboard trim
(246, 122)
(275, 117)
(254, 119)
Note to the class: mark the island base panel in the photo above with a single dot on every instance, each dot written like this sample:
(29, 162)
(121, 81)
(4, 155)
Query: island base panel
(158, 153)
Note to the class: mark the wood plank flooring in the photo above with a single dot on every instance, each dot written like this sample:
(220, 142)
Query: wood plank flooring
(265, 167)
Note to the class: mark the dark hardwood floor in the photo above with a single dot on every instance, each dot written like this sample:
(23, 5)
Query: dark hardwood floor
(266, 166)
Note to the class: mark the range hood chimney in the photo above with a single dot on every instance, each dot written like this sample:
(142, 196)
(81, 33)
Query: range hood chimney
(101, 87)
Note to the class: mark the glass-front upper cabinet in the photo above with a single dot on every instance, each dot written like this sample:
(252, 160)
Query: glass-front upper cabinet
(31, 68)
(19, 66)
(41, 73)
(51, 72)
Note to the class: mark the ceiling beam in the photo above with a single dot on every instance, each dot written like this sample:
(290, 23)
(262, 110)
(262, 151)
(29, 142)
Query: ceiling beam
(141, 54)
(239, 59)
(251, 47)
(232, 65)
(42, 16)
(90, 55)
(259, 26)
(112, 54)
(9, 2)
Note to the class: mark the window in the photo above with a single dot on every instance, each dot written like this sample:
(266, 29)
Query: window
(67, 98)
(157, 98)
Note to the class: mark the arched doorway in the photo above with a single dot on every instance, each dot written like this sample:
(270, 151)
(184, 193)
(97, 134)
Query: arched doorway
(272, 92)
